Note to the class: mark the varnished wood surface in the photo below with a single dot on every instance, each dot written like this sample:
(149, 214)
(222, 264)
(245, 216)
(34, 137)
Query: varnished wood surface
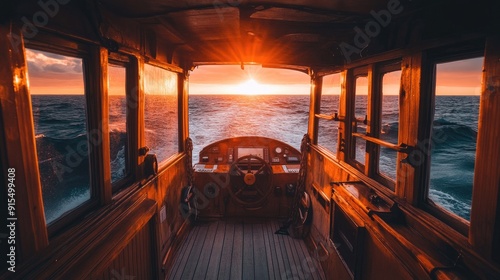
(236, 249)
(485, 221)
(20, 146)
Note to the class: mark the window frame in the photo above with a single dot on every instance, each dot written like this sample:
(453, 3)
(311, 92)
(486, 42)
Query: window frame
(355, 73)
(179, 149)
(377, 101)
(451, 219)
(324, 115)
(132, 97)
(87, 55)
(374, 74)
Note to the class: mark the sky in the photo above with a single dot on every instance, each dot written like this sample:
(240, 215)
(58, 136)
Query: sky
(58, 74)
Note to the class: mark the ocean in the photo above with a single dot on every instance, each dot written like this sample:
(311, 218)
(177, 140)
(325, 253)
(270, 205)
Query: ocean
(61, 138)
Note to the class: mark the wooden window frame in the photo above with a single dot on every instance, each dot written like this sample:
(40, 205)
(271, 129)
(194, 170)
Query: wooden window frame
(162, 165)
(352, 75)
(374, 74)
(376, 121)
(451, 219)
(94, 60)
(320, 115)
(129, 63)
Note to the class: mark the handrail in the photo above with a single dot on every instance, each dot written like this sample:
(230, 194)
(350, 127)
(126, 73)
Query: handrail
(334, 117)
(403, 148)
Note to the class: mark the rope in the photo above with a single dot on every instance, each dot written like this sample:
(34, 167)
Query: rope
(294, 214)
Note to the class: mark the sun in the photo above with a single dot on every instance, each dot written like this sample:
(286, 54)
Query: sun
(252, 87)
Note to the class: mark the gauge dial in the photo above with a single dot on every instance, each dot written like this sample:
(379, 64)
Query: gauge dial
(278, 150)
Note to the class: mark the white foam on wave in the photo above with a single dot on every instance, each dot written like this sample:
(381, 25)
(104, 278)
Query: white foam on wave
(451, 203)
(66, 204)
(118, 165)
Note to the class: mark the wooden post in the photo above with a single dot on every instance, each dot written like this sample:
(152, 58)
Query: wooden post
(140, 114)
(416, 88)
(484, 232)
(96, 76)
(344, 128)
(314, 107)
(15, 103)
(183, 86)
(372, 127)
(133, 86)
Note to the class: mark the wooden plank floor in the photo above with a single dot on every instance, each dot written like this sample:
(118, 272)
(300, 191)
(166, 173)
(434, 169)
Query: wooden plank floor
(242, 250)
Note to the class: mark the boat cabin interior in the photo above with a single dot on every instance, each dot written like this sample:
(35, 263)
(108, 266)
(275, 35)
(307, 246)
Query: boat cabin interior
(392, 170)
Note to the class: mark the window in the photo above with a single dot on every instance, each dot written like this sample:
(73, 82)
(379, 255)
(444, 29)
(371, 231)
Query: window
(360, 104)
(267, 102)
(59, 112)
(376, 121)
(389, 124)
(118, 135)
(161, 112)
(454, 132)
(328, 130)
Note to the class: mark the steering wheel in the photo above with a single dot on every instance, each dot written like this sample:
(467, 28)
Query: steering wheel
(250, 180)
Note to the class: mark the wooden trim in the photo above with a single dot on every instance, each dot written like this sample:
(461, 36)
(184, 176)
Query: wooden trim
(133, 86)
(141, 134)
(409, 101)
(163, 65)
(15, 103)
(344, 129)
(183, 110)
(484, 232)
(372, 125)
(96, 87)
(314, 107)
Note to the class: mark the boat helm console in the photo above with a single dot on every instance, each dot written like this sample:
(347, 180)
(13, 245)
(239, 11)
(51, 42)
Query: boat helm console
(245, 176)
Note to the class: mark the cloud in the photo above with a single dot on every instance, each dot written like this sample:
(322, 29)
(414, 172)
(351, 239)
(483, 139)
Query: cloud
(57, 68)
(51, 73)
(46, 63)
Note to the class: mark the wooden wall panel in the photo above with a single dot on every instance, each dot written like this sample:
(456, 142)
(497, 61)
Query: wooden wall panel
(484, 233)
(136, 261)
(15, 103)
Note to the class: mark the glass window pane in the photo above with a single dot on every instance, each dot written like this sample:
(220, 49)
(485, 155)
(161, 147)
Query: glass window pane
(361, 98)
(327, 129)
(117, 122)
(161, 116)
(59, 112)
(454, 134)
(390, 122)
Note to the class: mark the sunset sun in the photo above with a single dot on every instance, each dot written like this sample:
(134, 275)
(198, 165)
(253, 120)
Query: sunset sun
(252, 87)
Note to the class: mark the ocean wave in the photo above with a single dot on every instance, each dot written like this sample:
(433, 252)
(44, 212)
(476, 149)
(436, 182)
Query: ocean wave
(389, 131)
(451, 203)
(118, 170)
(55, 208)
(450, 134)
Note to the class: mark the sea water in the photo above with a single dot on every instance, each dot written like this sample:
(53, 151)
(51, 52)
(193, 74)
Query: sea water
(59, 125)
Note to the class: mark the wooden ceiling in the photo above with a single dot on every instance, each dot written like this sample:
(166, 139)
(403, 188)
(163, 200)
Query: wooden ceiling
(283, 32)
(300, 34)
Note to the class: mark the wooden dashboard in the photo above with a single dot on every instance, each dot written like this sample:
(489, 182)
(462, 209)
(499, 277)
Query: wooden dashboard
(223, 167)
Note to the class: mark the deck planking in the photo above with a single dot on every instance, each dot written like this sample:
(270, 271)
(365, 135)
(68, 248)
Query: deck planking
(242, 250)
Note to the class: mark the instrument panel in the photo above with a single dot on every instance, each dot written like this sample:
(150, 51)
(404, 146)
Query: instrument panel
(227, 151)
